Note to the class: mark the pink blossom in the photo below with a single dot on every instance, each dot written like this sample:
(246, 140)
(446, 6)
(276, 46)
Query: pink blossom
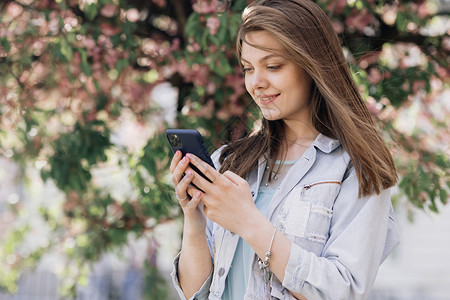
(133, 15)
(446, 43)
(389, 14)
(14, 10)
(108, 29)
(423, 196)
(174, 46)
(212, 48)
(194, 47)
(88, 43)
(201, 76)
(223, 114)
(236, 82)
(213, 23)
(359, 19)
(337, 6)
(53, 25)
(109, 10)
(337, 26)
(418, 85)
(443, 73)
(236, 108)
(43, 4)
(203, 7)
(207, 110)
(90, 86)
(64, 87)
(4, 32)
(423, 9)
(374, 76)
(160, 3)
(210, 88)
(369, 59)
(373, 106)
(111, 57)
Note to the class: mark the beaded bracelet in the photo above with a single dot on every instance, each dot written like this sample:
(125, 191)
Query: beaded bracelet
(264, 264)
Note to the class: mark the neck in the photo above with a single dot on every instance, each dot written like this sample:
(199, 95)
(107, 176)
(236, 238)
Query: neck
(299, 136)
(300, 132)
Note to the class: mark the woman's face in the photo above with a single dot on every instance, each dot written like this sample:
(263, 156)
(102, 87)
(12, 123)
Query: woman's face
(279, 87)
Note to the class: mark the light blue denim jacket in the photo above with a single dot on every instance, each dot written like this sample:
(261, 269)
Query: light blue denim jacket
(338, 240)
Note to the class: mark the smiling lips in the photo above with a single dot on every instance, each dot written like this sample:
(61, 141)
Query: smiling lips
(266, 99)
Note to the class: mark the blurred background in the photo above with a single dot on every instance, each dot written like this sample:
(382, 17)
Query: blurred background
(88, 87)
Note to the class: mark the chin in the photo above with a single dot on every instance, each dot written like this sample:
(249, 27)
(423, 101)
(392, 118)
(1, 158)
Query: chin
(271, 116)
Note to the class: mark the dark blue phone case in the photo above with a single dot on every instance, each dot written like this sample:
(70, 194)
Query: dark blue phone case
(192, 142)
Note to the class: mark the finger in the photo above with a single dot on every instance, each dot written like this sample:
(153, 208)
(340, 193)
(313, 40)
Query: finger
(182, 199)
(233, 177)
(175, 160)
(181, 188)
(191, 190)
(199, 181)
(203, 167)
(195, 200)
(179, 171)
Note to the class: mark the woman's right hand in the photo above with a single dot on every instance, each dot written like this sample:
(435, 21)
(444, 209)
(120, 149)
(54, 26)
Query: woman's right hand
(188, 196)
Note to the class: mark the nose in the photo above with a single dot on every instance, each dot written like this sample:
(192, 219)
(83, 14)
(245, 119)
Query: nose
(258, 80)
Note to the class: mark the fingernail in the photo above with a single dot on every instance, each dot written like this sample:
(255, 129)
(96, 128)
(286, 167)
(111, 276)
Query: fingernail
(184, 160)
(188, 174)
(198, 195)
(178, 153)
(189, 155)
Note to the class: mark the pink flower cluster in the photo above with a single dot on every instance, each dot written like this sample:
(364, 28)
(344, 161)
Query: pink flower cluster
(160, 3)
(359, 19)
(109, 10)
(199, 75)
(205, 6)
(213, 24)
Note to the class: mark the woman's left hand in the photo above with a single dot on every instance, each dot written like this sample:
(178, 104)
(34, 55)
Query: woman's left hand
(228, 200)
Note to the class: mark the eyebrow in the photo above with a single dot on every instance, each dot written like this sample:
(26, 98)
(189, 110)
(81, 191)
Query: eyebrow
(262, 59)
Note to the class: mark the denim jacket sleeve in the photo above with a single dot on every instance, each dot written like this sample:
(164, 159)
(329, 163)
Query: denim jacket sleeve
(362, 234)
(202, 293)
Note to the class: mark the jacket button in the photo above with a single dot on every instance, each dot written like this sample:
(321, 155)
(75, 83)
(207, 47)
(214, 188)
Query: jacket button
(221, 271)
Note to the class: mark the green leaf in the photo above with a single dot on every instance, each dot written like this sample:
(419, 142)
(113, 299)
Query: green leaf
(433, 206)
(5, 44)
(192, 25)
(101, 102)
(222, 31)
(85, 66)
(66, 50)
(121, 64)
(91, 11)
(443, 195)
(401, 21)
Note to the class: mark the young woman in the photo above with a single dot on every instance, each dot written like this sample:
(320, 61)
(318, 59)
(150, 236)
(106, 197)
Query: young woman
(301, 208)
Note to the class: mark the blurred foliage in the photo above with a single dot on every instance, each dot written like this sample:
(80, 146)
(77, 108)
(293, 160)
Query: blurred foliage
(73, 73)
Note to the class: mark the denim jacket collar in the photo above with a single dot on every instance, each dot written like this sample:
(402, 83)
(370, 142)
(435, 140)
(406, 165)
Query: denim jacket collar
(325, 144)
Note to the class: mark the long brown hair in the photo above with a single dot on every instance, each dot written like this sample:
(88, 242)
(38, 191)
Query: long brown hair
(337, 108)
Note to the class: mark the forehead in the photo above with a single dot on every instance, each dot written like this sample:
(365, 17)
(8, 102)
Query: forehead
(260, 43)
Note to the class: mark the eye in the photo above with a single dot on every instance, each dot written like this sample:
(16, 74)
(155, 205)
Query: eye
(245, 70)
(273, 68)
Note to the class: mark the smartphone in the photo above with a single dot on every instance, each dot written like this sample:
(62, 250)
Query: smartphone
(189, 141)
